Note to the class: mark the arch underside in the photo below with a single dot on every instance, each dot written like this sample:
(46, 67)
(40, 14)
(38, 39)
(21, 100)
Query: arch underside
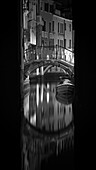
(48, 65)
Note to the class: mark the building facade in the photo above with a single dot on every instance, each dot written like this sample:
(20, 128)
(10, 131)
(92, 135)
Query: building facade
(57, 33)
(68, 41)
(48, 31)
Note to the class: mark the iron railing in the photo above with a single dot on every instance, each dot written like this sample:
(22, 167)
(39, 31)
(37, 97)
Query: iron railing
(46, 52)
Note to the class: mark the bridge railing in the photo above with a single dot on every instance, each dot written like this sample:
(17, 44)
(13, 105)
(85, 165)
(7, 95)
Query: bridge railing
(49, 52)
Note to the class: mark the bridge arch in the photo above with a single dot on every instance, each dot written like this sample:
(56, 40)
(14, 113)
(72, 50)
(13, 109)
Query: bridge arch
(48, 64)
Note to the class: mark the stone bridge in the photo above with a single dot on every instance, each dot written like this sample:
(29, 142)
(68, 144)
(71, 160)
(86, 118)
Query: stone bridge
(46, 65)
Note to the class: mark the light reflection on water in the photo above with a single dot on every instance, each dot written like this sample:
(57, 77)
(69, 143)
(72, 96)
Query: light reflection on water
(43, 110)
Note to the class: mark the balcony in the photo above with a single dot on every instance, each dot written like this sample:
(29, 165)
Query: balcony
(44, 34)
(61, 33)
(51, 35)
(57, 12)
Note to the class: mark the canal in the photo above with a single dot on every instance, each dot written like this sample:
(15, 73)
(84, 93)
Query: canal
(48, 133)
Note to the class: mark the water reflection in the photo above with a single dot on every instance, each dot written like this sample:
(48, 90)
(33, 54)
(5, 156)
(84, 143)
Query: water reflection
(44, 110)
(49, 128)
(37, 148)
(26, 106)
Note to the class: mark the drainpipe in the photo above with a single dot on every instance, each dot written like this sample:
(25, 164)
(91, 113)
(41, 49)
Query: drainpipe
(56, 52)
(64, 39)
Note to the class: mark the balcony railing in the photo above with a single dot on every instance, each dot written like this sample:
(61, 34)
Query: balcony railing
(44, 34)
(51, 35)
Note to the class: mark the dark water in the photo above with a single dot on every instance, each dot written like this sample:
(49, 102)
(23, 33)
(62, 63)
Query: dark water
(48, 131)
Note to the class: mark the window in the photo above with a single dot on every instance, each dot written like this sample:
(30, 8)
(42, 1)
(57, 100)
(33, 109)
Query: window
(46, 7)
(51, 8)
(61, 43)
(52, 125)
(51, 44)
(41, 5)
(64, 43)
(64, 109)
(65, 26)
(58, 42)
(69, 43)
(69, 27)
(61, 28)
(58, 26)
(49, 26)
(52, 25)
(69, 109)
(42, 42)
(45, 43)
(44, 26)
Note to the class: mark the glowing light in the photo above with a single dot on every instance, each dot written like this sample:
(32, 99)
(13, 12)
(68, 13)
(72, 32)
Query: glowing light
(33, 37)
(68, 55)
(48, 93)
(33, 119)
(41, 93)
(47, 57)
(47, 97)
(26, 106)
(42, 72)
(62, 54)
(37, 71)
(37, 94)
(37, 57)
(72, 61)
(48, 86)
